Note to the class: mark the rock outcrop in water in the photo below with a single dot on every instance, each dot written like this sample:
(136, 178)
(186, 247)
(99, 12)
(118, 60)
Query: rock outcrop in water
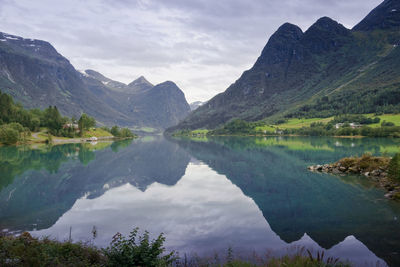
(375, 168)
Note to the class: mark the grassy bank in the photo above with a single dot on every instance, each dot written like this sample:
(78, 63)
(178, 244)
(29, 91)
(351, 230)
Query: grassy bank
(136, 250)
(367, 125)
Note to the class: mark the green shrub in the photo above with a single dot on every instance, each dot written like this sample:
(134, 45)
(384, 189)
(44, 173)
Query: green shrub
(8, 135)
(394, 167)
(138, 251)
(28, 251)
(122, 133)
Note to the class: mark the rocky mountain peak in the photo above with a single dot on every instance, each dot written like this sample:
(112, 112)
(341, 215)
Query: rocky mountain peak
(385, 16)
(96, 75)
(325, 35)
(281, 44)
(33, 47)
(328, 24)
(142, 82)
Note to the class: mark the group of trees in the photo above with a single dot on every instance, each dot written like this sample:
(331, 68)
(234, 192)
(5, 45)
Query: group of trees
(352, 102)
(12, 133)
(120, 132)
(387, 129)
(235, 127)
(356, 118)
(16, 123)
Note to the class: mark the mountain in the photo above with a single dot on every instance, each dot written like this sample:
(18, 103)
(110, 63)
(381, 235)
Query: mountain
(140, 84)
(385, 16)
(36, 75)
(195, 105)
(323, 71)
(114, 85)
(158, 106)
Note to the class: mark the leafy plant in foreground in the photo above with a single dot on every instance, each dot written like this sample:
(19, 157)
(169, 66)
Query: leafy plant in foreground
(138, 251)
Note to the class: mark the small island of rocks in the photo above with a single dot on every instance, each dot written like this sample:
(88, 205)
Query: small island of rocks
(384, 171)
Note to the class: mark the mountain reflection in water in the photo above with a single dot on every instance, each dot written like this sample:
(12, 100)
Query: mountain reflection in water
(246, 193)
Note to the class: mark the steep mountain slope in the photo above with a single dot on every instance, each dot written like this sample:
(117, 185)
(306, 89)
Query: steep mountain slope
(138, 85)
(324, 71)
(167, 99)
(385, 16)
(37, 76)
(157, 106)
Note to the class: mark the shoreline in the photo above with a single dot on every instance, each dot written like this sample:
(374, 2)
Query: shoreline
(62, 141)
(374, 168)
(276, 135)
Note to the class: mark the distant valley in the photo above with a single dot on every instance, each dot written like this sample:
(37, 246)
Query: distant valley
(195, 105)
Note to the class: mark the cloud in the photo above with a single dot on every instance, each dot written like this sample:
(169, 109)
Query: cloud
(202, 45)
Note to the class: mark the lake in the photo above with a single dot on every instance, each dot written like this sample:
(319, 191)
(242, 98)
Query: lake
(251, 195)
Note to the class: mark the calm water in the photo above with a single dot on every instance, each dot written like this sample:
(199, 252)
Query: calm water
(250, 194)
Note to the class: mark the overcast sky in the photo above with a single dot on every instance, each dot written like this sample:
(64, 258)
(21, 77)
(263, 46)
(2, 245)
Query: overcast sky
(203, 46)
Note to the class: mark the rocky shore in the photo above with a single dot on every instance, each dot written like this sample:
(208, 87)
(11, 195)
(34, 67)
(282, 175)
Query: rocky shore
(375, 168)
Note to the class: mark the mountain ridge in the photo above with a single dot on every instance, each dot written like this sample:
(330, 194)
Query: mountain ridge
(326, 70)
(36, 75)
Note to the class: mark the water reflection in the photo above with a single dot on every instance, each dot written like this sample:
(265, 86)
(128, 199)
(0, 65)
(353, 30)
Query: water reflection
(41, 185)
(203, 213)
(272, 171)
(247, 193)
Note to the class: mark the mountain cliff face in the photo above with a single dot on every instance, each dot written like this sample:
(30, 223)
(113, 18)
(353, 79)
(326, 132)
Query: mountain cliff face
(326, 70)
(385, 16)
(158, 106)
(195, 105)
(37, 76)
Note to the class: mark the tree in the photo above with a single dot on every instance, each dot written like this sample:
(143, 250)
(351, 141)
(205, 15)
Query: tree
(53, 120)
(8, 135)
(115, 131)
(85, 122)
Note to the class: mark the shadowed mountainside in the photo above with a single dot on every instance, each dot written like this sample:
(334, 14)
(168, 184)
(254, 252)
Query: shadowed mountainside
(324, 71)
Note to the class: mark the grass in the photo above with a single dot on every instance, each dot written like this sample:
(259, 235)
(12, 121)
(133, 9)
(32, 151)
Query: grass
(395, 118)
(96, 132)
(200, 132)
(299, 123)
(366, 162)
(26, 250)
(265, 128)
(43, 135)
